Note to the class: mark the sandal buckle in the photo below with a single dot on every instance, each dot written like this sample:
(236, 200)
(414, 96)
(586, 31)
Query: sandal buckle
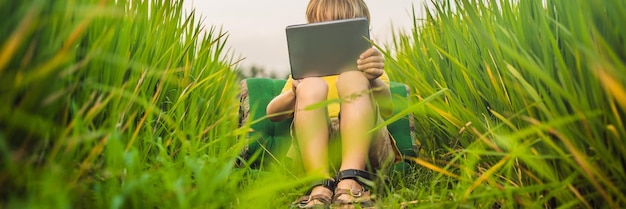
(359, 193)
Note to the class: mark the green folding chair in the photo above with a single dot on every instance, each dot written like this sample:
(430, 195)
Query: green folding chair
(268, 141)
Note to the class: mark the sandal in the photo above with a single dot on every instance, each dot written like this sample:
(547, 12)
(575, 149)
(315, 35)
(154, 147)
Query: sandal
(324, 200)
(361, 197)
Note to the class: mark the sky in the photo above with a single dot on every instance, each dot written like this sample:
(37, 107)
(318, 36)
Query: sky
(256, 28)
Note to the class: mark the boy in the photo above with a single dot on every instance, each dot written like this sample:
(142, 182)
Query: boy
(365, 97)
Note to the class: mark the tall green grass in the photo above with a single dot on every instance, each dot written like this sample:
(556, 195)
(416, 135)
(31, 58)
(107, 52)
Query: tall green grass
(115, 104)
(533, 104)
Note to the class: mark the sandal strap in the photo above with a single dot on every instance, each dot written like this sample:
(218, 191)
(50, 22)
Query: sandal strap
(351, 192)
(361, 197)
(357, 175)
(306, 199)
(328, 183)
(303, 202)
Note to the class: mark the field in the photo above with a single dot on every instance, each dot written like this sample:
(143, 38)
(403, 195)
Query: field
(130, 104)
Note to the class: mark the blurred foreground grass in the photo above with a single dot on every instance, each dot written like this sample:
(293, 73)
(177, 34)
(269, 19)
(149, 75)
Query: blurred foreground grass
(115, 104)
(130, 104)
(533, 104)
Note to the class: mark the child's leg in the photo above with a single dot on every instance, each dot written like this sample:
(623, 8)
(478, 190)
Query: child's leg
(311, 131)
(357, 118)
(311, 126)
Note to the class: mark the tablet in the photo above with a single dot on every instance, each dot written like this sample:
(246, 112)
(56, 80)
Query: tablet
(326, 48)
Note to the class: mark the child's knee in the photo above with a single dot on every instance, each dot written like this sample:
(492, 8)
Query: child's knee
(312, 88)
(352, 80)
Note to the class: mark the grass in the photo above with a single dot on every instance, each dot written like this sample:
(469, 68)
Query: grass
(130, 104)
(115, 104)
(531, 117)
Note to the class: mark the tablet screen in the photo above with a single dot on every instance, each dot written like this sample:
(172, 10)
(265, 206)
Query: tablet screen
(326, 48)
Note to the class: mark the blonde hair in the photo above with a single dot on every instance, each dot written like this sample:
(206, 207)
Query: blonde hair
(327, 10)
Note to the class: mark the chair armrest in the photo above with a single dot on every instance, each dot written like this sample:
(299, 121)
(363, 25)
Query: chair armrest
(403, 130)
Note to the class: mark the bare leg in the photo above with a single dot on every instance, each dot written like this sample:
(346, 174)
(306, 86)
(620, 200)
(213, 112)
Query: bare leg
(357, 118)
(311, 129)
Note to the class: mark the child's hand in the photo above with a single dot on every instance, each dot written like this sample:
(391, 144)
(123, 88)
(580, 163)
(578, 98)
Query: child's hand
(371, 63)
